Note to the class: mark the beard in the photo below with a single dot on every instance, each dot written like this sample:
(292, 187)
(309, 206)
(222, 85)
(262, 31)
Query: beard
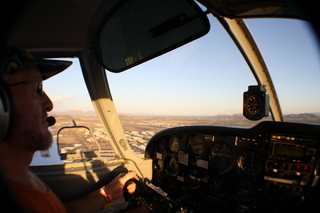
(25, 136)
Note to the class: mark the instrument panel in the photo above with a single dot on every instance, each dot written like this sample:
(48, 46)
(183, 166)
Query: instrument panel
(270, 167)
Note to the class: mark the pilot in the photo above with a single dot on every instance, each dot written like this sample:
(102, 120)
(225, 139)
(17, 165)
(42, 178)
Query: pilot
(22, 76)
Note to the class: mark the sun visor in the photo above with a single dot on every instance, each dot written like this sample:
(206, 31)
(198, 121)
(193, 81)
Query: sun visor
(144, 29)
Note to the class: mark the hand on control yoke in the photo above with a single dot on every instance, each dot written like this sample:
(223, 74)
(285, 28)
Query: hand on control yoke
(115, 187)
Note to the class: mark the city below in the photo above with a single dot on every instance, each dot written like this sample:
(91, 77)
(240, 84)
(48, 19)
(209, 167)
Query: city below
(90, 135)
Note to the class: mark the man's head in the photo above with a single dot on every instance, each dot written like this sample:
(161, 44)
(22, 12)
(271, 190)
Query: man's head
(27, 106)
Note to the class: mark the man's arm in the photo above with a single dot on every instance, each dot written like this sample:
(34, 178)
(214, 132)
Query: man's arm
(94, 201)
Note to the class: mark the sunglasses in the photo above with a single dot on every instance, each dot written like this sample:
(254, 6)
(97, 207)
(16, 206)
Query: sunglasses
(39, 88)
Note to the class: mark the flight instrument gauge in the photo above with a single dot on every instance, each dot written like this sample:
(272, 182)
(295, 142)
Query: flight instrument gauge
(250, 162)
(195, 144)
(222, 156)
(174, 144)
(172, 166)
(255, 103)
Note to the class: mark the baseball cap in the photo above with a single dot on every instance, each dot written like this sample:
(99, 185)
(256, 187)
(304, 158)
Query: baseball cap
(13, 59)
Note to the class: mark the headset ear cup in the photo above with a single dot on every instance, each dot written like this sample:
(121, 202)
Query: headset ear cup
(6, 110)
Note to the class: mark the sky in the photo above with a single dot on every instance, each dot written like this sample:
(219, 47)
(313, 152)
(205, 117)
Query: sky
(208, 76)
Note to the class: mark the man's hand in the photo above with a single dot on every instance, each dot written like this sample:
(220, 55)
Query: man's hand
(115, 187)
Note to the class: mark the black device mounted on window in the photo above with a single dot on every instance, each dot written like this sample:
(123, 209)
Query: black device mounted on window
(255, 103)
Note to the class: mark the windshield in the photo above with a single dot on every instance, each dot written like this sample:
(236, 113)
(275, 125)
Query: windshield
(202, 83)
(207, 77)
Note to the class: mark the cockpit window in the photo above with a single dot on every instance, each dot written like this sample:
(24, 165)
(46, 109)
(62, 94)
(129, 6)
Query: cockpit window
(202, 83)
(78, 131)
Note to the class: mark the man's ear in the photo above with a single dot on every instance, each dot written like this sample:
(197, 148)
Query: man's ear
(6, 110)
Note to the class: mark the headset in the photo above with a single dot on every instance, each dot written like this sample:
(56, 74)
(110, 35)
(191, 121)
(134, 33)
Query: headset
(6, 110)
